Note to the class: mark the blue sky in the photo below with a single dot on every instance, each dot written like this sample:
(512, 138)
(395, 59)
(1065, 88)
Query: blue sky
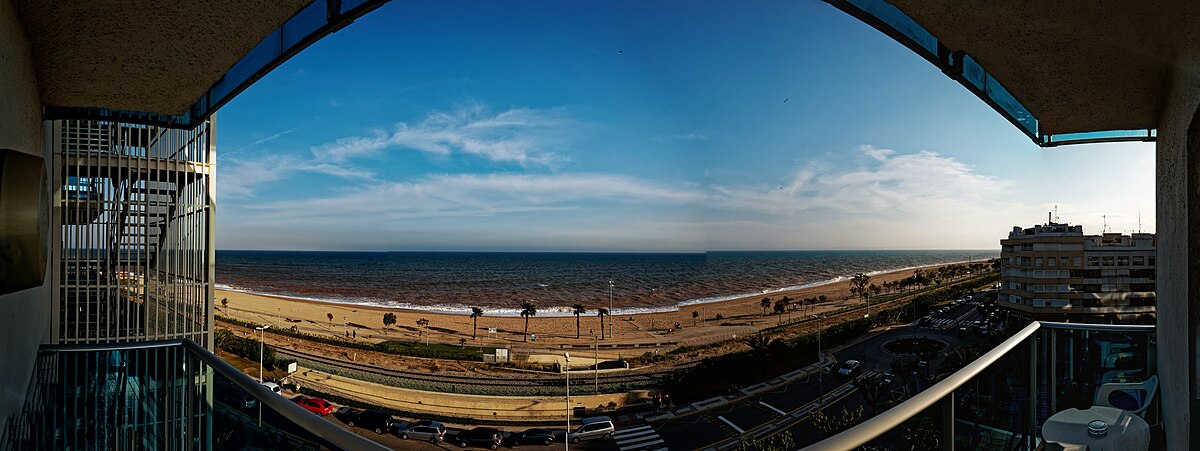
(639, 126)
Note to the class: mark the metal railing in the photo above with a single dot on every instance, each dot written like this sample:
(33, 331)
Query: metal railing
(1041, 394)
(167, 394)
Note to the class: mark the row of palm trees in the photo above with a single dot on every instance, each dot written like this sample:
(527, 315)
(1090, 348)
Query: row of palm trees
(528, 309)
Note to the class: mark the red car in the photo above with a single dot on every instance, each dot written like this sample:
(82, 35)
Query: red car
(316, 405)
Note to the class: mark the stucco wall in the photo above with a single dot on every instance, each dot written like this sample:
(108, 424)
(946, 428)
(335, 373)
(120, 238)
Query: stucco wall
(24, 315)
(1178, 187)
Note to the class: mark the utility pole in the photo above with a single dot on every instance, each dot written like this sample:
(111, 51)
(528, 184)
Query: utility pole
(610, 308)
(262, 330)
(567, 368)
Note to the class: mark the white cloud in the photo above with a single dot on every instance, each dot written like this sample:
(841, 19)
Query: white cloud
(521, 136)
(682, 137)
(457, 195)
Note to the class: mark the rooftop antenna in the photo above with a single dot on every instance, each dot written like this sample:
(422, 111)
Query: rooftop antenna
(1139, 221)
(1056, 216)
(1049, 217)
(1105, 228)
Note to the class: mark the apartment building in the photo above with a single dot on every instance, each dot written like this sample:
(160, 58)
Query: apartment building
(1053, 272)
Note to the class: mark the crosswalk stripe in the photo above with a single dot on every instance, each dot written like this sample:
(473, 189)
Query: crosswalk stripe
(772, 408)
(636, 438)
(654, 442)
(730, 423)
(633, 431)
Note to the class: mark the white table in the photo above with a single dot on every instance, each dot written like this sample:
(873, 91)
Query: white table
(1069, 428)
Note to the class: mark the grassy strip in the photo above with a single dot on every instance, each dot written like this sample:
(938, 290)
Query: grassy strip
(394, 347)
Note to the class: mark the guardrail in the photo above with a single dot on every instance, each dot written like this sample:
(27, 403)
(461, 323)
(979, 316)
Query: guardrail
(942, 393)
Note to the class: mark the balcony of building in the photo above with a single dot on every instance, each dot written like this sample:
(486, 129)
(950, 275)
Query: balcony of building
(160, 395)
(1042, 389)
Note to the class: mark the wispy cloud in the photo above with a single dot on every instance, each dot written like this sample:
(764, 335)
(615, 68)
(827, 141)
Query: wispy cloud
(457, 195)
(682, 137)
(519, 136)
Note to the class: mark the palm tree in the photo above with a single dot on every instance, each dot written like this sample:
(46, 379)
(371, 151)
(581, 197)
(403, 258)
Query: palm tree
(422, 323)
(577, 309)
(527, 310)
(600, 312)
(389, 319)
(330, 316)
(695, 315)
(766, 304)
(476, 312)
(224, 304)
(872, 388)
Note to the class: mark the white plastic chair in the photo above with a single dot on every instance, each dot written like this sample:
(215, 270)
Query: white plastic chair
(1142, 392)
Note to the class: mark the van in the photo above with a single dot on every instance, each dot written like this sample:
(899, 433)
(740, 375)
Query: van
(593, 428)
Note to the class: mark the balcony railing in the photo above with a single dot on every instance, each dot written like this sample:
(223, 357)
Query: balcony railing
(1002, 399)
(163, 395)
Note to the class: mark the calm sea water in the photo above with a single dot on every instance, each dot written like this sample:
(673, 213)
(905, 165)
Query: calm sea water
(499, 281)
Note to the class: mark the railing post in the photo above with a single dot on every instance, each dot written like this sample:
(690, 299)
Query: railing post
(948, 422)
(1031, 435)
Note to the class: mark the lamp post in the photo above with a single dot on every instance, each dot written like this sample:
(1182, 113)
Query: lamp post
(596, 360)
(262, 332)
(567, 368)
(610, 308)
(821, 372)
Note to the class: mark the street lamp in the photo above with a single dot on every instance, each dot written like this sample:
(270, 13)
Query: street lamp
(610, 308)
(262, 332)
(567, 368)
(820, 372)
(596, 360)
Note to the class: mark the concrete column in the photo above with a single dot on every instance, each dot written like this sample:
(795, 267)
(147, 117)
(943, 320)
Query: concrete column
(1178, 279)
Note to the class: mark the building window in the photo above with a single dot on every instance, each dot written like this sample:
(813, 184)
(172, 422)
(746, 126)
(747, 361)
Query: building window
(1064, 261)
(1078, 261)
(1151, 259)
(1107, 260)
(1139, 260)
(1051, 261)
(1123, 260)
(1037, 261)
(1093, 261)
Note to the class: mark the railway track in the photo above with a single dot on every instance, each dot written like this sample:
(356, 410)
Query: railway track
(523, 381)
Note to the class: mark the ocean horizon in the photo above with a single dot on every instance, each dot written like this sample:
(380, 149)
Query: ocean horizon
(643, 282)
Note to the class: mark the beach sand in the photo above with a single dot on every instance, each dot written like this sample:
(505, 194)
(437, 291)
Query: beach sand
(739, 316)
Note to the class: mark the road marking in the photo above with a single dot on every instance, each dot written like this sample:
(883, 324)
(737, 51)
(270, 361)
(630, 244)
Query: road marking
(637, 438)
(730, 423)
(772, 408)
(654, 441)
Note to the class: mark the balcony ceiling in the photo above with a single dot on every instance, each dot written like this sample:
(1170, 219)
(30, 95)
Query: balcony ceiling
(1078, 66)
(142, 55)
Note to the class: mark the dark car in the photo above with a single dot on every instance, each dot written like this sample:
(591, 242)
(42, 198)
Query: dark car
(486, 437)
(532, 437)
(371, 419)
(238, 398)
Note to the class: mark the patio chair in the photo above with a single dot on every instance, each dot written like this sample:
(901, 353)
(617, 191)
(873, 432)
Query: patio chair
(1132, 396)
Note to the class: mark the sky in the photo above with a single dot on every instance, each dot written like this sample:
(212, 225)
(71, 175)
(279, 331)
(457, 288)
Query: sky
(640, 126)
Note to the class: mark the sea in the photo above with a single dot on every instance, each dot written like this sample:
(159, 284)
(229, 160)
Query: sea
(452, 282)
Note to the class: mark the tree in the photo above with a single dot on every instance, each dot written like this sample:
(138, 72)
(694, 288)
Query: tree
(873, 389)
(875, 289)
(225, 304)
(781, 305)
(822, 298)
(905, 368)
(577, 309)
(527, 310)
(831, 426)
(330, 316)
(779, 442)
(600, 312)
(858, 285)
(695, 315)
(422, 323)
(476, 312)
(758, 342)
(389, 319)
(766, 304)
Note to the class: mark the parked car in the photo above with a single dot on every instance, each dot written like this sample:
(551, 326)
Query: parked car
(316, 405)
(542, 437)
(593, 428)
(239, 398)
(275, 388)
(431, 431)
(371, 419)
(486, 437)
(849, 367)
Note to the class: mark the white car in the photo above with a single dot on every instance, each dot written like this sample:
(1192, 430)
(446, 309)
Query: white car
(849, 367)
(274, 387)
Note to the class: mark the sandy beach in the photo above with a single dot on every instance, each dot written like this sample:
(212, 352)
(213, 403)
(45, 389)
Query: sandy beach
(365, 323)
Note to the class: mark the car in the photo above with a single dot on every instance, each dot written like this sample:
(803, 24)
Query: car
(316, 405)
(849, 367)
(430, 431)
(535, 436)
(483, 436)
(593, 428)
(275, 388)
(239, 398)
(371, 419)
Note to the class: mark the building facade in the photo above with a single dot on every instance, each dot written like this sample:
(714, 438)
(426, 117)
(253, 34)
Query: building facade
(1053, 272)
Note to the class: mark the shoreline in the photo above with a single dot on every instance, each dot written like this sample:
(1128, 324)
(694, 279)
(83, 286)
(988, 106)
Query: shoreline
(698, 323)
(565, 311)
